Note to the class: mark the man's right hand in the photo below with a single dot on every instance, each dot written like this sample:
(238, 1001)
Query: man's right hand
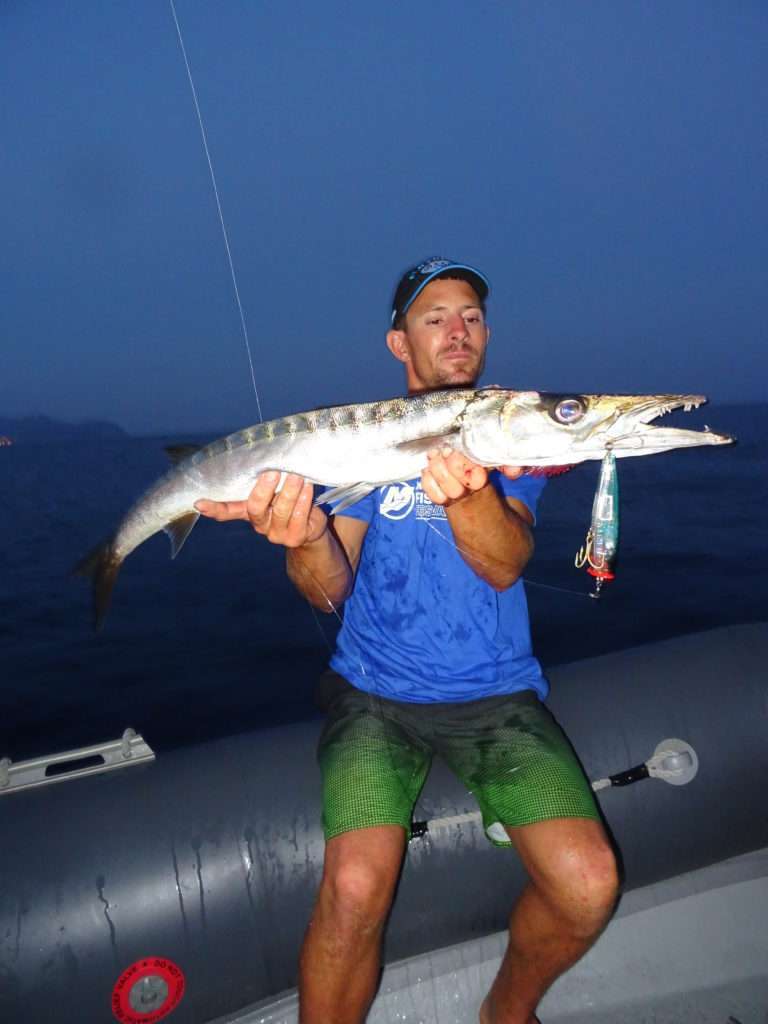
(286, 517)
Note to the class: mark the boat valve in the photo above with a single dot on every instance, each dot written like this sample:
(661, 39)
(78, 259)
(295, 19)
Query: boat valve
(673, 761)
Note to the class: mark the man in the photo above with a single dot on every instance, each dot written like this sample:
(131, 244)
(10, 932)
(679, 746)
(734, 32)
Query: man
(435, 655)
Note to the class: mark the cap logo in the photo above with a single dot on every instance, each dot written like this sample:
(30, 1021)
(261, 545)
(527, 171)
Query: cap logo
(431, 266)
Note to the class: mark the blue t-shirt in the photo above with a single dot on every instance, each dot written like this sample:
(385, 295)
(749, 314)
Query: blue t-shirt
(420, 625)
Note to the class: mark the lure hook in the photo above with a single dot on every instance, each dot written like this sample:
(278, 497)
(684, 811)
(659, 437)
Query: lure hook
(584, 554)
(599, 549)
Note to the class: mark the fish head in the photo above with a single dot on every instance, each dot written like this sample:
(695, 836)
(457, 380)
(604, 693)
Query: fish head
(538, 428)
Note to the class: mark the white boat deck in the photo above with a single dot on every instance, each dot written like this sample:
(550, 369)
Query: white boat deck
(690, 949)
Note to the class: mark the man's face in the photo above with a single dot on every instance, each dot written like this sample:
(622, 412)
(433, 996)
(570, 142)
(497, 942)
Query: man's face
(443, 340)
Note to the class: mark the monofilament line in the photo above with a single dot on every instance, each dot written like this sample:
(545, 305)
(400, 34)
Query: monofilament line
(532, 583)
(218, 207)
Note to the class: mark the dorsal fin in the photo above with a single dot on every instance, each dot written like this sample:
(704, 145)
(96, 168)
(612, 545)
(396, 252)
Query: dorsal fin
(178, 452)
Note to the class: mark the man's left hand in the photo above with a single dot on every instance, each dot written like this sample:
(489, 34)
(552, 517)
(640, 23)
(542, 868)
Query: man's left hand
(451, 476)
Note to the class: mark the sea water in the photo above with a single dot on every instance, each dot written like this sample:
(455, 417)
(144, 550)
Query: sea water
(218, 642)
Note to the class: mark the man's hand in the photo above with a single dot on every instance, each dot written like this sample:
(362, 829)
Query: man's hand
(451, 476)
(492, 533)
(287, 517)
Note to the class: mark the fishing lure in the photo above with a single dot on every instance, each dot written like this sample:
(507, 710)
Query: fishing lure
(599, 550)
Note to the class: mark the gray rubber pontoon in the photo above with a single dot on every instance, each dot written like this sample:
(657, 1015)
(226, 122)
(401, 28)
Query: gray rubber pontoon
(180, 888)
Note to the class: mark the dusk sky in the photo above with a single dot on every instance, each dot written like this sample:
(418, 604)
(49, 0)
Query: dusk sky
(604, 162)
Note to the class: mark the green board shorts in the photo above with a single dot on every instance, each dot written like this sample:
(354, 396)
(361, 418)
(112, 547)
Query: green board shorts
(509, 751)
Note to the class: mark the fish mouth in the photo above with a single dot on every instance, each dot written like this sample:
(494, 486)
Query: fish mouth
(632, 429)
(650, 408)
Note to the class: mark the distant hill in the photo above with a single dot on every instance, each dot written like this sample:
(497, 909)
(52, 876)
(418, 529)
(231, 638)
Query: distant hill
(33, 429)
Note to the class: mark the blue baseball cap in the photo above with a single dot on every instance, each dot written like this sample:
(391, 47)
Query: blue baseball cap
(414, 281)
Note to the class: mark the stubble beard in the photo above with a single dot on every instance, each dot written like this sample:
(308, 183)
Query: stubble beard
(460, 377)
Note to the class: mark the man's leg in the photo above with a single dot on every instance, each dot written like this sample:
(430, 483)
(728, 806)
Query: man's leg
(340, 958)
(570, 896)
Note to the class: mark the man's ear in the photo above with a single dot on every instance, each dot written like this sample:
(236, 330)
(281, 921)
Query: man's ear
(397, 343)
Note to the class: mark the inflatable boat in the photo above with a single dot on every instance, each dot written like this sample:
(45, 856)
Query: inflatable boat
(142, 888)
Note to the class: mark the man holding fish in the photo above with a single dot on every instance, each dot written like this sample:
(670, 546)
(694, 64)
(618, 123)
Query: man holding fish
(435, 656)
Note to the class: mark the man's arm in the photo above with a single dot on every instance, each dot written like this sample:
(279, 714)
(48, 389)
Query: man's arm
(493, 534)
(320, 558)
(324, 570)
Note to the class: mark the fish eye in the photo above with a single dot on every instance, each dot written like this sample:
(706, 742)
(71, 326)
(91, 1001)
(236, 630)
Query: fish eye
(569, 410)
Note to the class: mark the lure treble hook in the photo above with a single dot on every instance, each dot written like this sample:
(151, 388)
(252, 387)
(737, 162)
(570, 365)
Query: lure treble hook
(599, 549)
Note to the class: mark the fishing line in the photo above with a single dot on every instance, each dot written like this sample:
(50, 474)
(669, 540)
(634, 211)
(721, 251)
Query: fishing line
(549, 586)
(307, 571)
(318, 623)
(236, 289)
(218, 207)
(487, 565)
(332, 607)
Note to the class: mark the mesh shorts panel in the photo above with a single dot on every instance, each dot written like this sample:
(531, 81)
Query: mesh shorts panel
(372, 773)
(520, 768)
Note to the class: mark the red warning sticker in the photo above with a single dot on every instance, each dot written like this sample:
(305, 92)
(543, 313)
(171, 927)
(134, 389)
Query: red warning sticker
(147, 991)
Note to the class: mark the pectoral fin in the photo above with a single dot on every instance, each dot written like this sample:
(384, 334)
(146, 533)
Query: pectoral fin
(426, 444)
(344, 496)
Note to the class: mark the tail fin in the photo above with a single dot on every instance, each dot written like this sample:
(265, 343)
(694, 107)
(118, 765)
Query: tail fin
(101, 566)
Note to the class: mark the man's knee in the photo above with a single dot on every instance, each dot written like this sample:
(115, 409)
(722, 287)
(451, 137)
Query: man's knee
(587, 883)
(573, 866)
(360, 887)
(359, 879)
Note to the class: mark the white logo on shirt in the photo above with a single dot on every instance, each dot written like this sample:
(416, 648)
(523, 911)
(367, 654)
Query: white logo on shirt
(400, 499)
(397, 501)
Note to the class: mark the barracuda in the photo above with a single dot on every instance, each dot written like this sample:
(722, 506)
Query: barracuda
(355, 448)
